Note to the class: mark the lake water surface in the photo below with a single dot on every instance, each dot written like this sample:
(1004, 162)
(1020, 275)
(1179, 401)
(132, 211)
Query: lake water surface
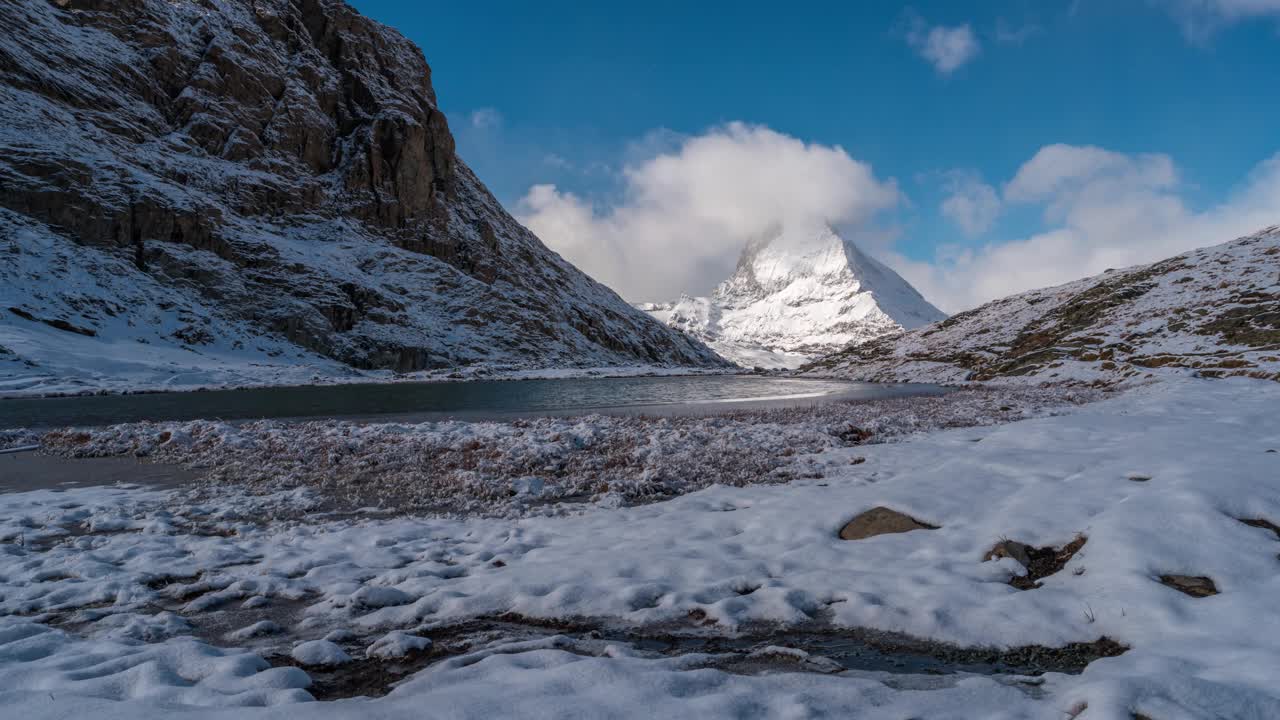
(472, 400)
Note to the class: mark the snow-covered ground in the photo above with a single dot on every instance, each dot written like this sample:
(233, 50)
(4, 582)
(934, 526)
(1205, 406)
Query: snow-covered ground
(126, 602)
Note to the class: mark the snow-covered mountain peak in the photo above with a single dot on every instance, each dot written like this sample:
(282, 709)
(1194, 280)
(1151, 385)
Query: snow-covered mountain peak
(800, 292)
(772, 263)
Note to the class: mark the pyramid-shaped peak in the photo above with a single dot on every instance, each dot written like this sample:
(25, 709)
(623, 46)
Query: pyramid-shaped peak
(797, 292)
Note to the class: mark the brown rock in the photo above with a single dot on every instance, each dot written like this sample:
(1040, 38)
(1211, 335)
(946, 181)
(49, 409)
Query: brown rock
(881, 521)
(1039, 562)
(1194, 585)
(1262, 523)
(1011, 549)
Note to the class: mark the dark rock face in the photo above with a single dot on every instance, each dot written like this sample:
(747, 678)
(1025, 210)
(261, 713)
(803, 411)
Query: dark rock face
(286, 160)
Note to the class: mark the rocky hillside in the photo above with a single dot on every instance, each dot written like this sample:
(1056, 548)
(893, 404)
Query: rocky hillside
(1213, 311)
(277, 177)
(797, 296)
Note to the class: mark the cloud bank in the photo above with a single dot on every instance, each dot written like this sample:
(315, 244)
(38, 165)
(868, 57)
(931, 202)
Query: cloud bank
(1101, 210)
(686, 213)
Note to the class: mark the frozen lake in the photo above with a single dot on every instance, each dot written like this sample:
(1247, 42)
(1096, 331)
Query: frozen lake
(473, 400)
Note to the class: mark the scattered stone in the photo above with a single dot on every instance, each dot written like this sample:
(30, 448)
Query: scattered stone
(852, 434)
(397, 644)
(1197, 586)
(857, 460)
(881, 521)
(1039, 562)
(1137, 477)
(698, 616)
(319, 653)
(340, 635)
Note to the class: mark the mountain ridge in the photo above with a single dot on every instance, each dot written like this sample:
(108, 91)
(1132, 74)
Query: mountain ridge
(1213, 312)
(281, 171)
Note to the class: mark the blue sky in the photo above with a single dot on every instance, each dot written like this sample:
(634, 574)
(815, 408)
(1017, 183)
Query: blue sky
(937, 98)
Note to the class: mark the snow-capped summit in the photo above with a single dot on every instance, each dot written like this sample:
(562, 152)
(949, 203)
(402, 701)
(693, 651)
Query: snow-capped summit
(796, 295)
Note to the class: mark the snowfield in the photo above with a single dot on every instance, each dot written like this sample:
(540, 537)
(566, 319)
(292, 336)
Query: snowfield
(129, 602)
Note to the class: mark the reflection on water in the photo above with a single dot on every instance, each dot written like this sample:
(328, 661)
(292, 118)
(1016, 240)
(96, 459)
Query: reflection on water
(486, 399)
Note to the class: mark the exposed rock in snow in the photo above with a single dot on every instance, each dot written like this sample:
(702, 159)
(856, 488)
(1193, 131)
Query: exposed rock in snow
(881, 521)
(193, 186)
(1213, 311)
(795, 296)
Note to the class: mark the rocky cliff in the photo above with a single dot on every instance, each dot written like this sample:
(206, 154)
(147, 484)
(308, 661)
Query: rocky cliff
(797, 295)
(280, 171)
(1214, 312)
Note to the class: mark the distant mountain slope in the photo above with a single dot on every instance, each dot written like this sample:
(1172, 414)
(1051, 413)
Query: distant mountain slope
(797, 296)
(280, 172)
(1215, 311)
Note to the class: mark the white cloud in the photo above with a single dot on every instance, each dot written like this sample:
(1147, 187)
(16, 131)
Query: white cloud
(947, 48)
(1102, 210)
(685, 213)
(485, 118)
(1006, 33)
(1200, 19)
(971, 204)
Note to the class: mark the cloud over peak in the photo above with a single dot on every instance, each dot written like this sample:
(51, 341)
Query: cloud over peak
(685, 213)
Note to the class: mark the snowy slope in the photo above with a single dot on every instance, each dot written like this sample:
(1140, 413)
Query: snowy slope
(803, 293)
(1213, 311)
(271, 184)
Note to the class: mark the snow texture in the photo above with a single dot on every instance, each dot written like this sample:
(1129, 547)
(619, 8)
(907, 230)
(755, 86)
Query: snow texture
(796, 296)
(319, 653)
(397, 644)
